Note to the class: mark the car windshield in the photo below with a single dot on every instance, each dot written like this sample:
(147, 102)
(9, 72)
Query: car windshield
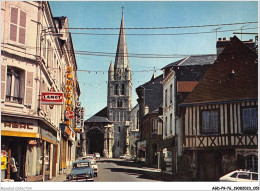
(86, 158)
(80, 165)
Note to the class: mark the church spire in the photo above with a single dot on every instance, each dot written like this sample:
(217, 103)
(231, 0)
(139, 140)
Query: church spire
(121, 60)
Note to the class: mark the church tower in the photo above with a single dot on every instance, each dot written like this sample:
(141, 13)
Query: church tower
(119, 98)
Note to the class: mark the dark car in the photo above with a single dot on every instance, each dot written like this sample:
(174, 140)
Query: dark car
(81, 170)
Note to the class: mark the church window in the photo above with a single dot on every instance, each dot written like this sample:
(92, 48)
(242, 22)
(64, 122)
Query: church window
(119, 103)
(116, 89)
(123, 89)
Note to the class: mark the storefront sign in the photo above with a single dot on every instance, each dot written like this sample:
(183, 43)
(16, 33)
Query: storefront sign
(69, 114)
(3, 160)
(15, 124)
(55, 98)
(52, 136)
(68, 131)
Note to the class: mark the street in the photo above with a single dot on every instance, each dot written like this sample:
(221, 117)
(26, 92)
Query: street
(120, 170)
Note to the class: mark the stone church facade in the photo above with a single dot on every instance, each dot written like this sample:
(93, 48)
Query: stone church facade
(119, 97)
(112, 122)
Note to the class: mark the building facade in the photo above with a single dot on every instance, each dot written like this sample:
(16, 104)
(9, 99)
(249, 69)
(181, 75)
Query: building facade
(220, 116)
(31, 63)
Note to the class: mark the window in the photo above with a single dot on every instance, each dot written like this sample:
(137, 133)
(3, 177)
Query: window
(254, 176)
(14, 85)
(116, 89)
(119, 103)
(155, 126)
(210, 122)
(165, 129)
(123, 89)
(166, 97)
(252, 163)
(249, 120)
(244, 176)
(17, 25)
(171, 124)
(119, 129)
(118, 144)
(171, 94)
(234, 175)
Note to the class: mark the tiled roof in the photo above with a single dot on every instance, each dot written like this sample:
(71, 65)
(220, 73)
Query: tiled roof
(233, 76)
(194, 60)
(98, 119)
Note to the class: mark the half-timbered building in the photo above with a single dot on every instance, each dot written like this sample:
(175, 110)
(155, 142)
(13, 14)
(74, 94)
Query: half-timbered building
(220, 118)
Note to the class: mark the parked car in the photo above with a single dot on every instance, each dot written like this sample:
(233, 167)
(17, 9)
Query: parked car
(88, 157)
(94, 167)
(240, 176)
(125, 156)
(97, 155)
(81, 170)
(93, 164)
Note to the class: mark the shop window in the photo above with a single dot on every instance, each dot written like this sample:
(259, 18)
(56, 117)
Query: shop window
(17, 25)
(252, 163)
(210, 122)
(250, 120)
(14, 86)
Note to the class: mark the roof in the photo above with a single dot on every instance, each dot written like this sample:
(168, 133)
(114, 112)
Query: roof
(98, 119)
(153, 94)
(233, 76)
(194, 60)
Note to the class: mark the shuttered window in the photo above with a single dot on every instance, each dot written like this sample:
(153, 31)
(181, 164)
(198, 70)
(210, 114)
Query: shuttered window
(14, 85)
(18, 25)
(210, 122)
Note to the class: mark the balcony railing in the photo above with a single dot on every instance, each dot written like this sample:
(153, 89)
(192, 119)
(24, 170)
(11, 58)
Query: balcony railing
(18, 100)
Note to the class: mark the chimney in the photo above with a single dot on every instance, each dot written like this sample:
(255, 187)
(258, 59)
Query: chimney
(146, 110)
(221, 44)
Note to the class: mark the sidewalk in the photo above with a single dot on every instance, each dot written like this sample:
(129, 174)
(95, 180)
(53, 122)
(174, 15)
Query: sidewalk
(60, 177)
(156, 173)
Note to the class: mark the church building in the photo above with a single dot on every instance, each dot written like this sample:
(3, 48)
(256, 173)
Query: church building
(119, 104)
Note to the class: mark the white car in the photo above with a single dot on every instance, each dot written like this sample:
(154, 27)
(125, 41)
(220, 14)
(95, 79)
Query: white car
(97, 155)
(125, 156)
(93, 164)
(240, 176)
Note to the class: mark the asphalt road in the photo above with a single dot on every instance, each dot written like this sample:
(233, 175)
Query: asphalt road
(120, 170)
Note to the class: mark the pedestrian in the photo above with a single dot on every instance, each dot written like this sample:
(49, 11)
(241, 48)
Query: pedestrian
(14, 170)
(163, 167)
